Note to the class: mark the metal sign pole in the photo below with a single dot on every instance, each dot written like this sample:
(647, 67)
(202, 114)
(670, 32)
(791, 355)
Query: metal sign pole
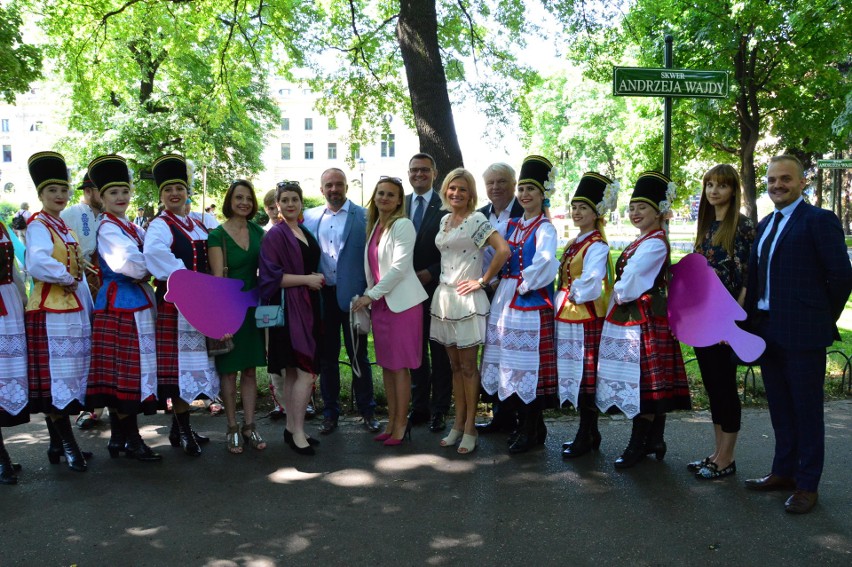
(667, 113)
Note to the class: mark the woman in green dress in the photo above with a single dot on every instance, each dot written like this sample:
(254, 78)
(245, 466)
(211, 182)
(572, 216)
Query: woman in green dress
(234, 248)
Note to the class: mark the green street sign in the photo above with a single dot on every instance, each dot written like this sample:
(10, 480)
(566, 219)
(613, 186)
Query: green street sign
(834, 163)
(684, 83)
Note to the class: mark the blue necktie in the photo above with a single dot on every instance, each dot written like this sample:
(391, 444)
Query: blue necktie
(419, 210)
(763, 262)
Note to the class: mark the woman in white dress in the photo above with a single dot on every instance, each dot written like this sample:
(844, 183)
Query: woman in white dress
(58, 317)
(460, 305)
(174, 242)
(13, 362)
(519, 359)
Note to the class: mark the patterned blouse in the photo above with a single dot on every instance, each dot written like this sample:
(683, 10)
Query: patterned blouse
(731, 270)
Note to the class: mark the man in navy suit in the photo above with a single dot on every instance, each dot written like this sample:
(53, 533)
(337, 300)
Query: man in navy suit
(799, 279)
(424, 209)
(340, 227)
(500, 180)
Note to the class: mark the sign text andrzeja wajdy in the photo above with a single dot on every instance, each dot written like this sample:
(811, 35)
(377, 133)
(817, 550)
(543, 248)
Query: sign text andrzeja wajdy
(643, 81)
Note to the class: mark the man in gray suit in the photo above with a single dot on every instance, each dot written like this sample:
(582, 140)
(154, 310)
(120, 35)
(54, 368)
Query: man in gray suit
(340, 227)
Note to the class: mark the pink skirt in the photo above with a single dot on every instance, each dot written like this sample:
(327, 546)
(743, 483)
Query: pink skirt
(397, 337)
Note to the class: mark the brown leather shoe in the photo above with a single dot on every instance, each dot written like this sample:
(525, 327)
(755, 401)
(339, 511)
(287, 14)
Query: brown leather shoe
(771, 482)
(801, 502)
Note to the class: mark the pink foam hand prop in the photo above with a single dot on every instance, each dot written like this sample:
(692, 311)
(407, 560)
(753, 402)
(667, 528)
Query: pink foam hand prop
(702, 312)
(214, 306)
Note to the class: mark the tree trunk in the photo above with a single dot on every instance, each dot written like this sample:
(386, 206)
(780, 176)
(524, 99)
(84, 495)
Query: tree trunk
(417, 33)
(748, 112)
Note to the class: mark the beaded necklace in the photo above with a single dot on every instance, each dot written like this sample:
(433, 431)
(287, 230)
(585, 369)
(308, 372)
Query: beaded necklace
(127, 226)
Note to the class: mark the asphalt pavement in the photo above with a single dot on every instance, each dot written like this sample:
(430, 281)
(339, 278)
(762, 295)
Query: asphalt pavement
(358, 503)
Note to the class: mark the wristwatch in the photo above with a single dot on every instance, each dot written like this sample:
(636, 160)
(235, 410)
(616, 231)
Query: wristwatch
(481, 283)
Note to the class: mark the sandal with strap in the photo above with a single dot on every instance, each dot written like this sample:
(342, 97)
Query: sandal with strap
(252, 437)
(235, 442)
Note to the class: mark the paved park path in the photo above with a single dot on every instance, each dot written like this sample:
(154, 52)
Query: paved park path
(358, 503)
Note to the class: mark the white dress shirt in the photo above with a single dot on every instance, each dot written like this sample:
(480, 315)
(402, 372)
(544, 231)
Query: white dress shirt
(330, 237)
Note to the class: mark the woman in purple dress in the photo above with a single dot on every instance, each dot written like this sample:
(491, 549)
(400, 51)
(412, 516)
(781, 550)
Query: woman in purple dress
(289, 260)
(395, 298)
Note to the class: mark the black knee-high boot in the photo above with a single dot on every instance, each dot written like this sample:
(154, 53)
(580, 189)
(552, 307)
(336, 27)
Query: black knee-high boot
(73, 456)
(136, 447)
(7, 469)
(174, 434)
(655, 442)
(635, 450)
(532, 432)
(588, 437)
(117, 440)
(186, 437)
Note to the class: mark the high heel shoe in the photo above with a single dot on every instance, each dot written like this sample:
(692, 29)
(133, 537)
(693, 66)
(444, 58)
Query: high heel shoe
(288, 438)
(468, 444)
(73, 456)
(391, 442)
(186, 436)
(309, 450)
(251, 437)
(136, 447)
(383, 436)
(453, 438)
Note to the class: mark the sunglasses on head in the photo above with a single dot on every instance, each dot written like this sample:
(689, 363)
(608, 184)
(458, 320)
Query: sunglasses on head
(396, 180)
(284, 184)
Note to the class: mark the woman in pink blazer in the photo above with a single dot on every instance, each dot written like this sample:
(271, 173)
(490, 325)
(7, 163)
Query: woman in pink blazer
(394, 296)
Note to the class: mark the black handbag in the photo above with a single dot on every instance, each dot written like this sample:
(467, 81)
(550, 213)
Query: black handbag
(216, 347)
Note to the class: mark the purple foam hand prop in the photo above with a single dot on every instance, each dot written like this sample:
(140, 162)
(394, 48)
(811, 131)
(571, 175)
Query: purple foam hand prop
(214, 306)
(702, 312)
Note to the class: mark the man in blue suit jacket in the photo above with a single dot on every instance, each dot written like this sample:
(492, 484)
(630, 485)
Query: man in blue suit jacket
(340, 227)
(799, 279)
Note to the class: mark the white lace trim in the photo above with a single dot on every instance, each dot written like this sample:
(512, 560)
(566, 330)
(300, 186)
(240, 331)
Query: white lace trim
(619, 369)
(570, 352)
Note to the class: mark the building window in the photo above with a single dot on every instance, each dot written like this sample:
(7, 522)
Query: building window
(7, 154)
(332, 150)
(309, 151)
(4, 125)
(285, 151)
(332, 123)
(36, 126)
(309, 123)
(306, 91)
(285, 123)
(356, 151)
(9, 188)
(284, 92)
(388, 145)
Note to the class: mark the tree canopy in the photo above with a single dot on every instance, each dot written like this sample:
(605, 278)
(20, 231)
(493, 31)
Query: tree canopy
(788, 62)
(20, 63)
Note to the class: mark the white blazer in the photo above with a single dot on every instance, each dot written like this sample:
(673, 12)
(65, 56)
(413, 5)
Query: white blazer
(398, 283)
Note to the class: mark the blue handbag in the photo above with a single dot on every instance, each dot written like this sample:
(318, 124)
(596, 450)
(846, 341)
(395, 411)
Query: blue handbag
(270, 315)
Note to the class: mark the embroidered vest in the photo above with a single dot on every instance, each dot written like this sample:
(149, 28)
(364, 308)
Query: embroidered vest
(570, 270)
(652, 303)
(50, 297)
(536, 299)
(119, 292)
(193, 253)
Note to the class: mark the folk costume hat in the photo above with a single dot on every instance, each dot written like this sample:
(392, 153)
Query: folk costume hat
(109, 171)
(656, 189)
(48, 168)
(597, 190)
(538, 171)
(169, 169)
